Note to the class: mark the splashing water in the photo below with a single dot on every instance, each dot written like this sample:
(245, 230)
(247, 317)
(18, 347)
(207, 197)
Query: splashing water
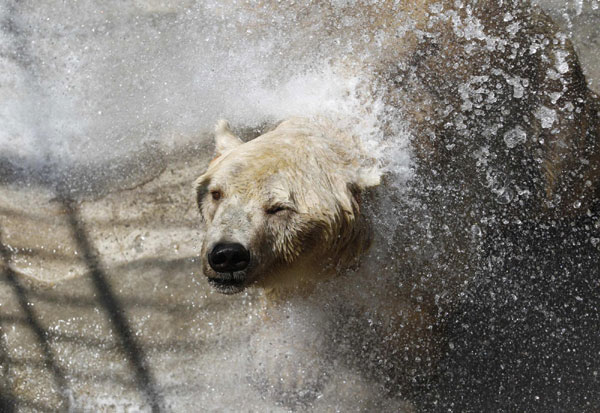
(96, 93)
(88, 83)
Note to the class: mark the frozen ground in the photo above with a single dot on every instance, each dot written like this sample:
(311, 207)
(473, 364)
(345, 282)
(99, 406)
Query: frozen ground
(113, 104)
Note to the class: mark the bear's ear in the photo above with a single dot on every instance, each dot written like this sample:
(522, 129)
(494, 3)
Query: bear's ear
(368, 177)
(224, 138)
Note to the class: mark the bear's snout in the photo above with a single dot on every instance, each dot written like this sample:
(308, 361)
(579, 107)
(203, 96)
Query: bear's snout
(229, 257)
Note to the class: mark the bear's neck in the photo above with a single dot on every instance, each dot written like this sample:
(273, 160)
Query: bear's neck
(300, 282)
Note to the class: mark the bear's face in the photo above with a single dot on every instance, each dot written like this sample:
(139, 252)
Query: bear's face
(279, 210)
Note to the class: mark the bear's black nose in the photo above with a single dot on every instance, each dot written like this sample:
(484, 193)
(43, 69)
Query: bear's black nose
(229, 258)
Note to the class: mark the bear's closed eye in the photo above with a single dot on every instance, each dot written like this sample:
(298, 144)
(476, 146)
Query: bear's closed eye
(274, 209)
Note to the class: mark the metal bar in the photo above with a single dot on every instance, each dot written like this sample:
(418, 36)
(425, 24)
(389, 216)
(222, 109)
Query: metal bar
(114, 309)
(32, 320)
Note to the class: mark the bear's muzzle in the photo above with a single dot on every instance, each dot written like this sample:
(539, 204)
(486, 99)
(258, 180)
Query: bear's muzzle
(228, 258)
(229, 261)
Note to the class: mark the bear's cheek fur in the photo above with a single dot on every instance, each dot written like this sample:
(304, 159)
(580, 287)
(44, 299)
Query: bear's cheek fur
(273, 248)
(291, 248)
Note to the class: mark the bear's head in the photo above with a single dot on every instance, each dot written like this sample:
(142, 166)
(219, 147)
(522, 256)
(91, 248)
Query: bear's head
(283, 210)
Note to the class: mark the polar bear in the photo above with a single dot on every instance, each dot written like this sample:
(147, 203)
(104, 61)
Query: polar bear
(505, 136)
